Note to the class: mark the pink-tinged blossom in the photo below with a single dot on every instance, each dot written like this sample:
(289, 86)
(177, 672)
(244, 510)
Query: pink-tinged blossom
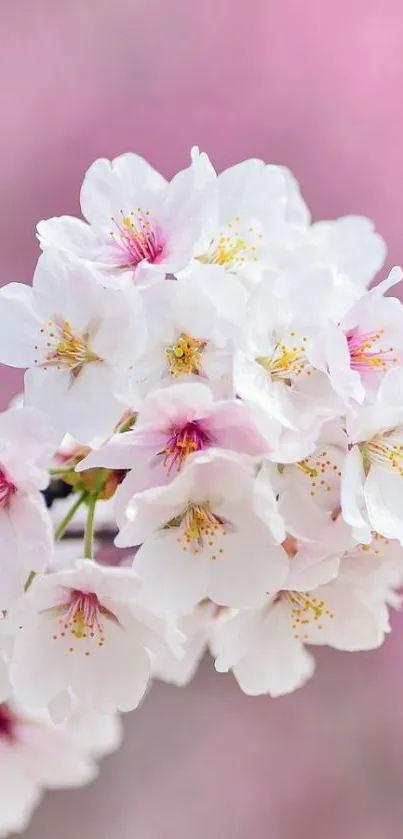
(172, 424)
(358, 351)
(139, 227)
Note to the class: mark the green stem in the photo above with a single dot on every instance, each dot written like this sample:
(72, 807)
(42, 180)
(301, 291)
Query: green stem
(61, 470)
(63, 525)
(89, 527)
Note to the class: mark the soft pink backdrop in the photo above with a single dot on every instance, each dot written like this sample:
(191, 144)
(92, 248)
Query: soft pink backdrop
(315, 84)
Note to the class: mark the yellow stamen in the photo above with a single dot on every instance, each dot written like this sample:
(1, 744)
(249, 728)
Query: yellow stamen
(286, 362)
(185, 356)
(67, 349)
(306, 610)
(199, 529)
(381, 450)
(237, 244)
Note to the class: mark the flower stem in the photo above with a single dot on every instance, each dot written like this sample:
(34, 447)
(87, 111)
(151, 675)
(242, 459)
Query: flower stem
(63, 525)
(89, 527)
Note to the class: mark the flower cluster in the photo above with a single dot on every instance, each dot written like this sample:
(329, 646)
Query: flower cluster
(211, 383)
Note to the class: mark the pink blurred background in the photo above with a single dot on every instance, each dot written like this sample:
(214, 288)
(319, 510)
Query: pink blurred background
(314, 84)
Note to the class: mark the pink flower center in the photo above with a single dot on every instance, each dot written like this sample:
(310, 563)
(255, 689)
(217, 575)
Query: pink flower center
(136, 238)
(182, 442)
(7, 489)
(7, 722)
(82, 618)
(366, 354)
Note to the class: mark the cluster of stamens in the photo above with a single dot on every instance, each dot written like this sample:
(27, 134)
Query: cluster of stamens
(136, 237)
(182, 442)
(320, 471)
(82, 618)
(381, 450)
(306, 610)
(286, 361)
(64, 348)
(366, 356)
(199, 529)
(185, 356)
(7, 489)
(237, 244)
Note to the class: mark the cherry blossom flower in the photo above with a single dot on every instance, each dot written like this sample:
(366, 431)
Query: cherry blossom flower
(189, 335)
(140, 226)
(358, 351)
(273, 368)
(258, 207)
(172, 424)
(309, 492)
(210, 533)
(76, 625)
(265, 647)
(78, 341)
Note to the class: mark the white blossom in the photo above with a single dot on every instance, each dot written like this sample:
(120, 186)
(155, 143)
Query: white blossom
(266, 647)
(213, 532)
(76, 625)
(78, 341)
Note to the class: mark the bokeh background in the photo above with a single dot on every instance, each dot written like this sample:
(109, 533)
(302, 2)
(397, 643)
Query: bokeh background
(316, 85)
